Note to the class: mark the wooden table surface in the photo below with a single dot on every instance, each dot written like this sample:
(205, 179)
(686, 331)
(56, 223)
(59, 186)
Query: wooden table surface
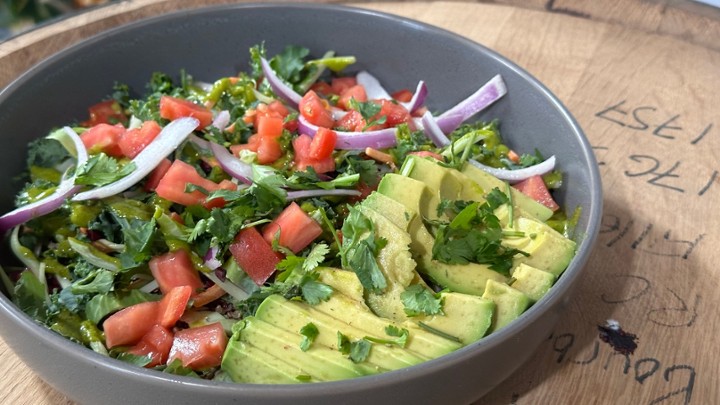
(641, 77)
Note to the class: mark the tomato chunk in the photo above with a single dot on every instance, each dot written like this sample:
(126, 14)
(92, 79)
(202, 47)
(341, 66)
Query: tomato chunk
(339, 84)
(173, 305)
(535, 188)
(135, 140)
(351, 122)
(172, 185)
(199, 348)
(254, 255)
(156, 345)
(315, 110)
(158, 173)
(129, 325)
(174, 269)
(302, 145)
(105, 112)
(172, 108)
(323, 144)
(297, 228)
(403, 95)
(396, 114)
(103, 138)
(356, 92)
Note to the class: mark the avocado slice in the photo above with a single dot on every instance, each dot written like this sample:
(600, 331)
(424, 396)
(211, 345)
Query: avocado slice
(488, 182)
(533, 282)
(244, 362)
(509, 303)
(548, 249)
(468, 278)
(293, 315)
(320, 362)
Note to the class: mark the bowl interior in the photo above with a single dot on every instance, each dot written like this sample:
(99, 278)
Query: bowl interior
(209, 43)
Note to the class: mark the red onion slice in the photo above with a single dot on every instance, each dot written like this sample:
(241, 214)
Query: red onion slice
(375, 91)
(65, 189)
(222, 119)
(280, 88)
(514, 176)
(418, 98)
(373, 88)
(166, 142)
(489, 93)
(232, 165)
(433, 131)
(210, 261)
(380, 139)
(295, 195)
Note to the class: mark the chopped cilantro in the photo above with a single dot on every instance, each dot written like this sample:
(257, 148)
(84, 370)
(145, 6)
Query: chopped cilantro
(102, 169)
(369, 110)
(419, 300)
(309, 332)
(401, 336)
(358, 351)
(45, 152)
(359, 250)
(474, 235)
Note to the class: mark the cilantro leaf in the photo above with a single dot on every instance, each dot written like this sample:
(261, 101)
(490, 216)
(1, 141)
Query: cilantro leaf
(419, 300)
(474, 234)
(358, 350)
(359, 250)
(309, 332)
(369, 110)
(45, 152)
(401, 336)
(102, 169)
(313, 291)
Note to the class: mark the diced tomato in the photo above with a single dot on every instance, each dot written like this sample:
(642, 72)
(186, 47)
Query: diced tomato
(157, 174)
(364, 190)
(199, 348)
(535, 188)
(129, 325)
(172, 108)
(219, 202)
(403, 95)
(297, 228)
(279, 108)
(427, 153)
(302, 145)
(103, 138)
(156, 344)
(340, 84)
(269, 126)
(321, 87)
(268, 150)
(323, 144)
(315, 110)
(356, 92)
(254, 255)
(395, 113)
(105, 112)
(252, 145)
(135, 140)
(173, 305)
(172, 185)
(174, 269)
(351, 122)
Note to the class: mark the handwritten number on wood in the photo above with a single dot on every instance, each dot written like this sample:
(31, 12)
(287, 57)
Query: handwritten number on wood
(653, 170)
(687, 389)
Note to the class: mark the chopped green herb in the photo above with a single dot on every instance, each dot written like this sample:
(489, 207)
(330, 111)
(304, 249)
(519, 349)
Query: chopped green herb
(309, 332)
(419, 300)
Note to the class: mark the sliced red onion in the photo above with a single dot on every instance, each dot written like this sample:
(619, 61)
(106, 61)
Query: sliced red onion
(373, 88)
(232, 165)
(211, 262)
(296, 195)
(337, 113)
(280, 88)
(433, 131)
(202, 143)
(65, 189)
(514, 176)
(222, 119)
(379, 139)
(418, 98)
(492, 91)
(166, 142)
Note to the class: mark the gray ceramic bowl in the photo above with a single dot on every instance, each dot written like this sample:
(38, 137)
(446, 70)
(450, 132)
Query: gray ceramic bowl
(212, 42)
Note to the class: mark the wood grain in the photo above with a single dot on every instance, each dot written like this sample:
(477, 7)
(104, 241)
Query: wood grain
(642, 82)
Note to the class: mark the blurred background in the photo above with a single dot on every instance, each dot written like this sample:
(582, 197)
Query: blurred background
(19, 15)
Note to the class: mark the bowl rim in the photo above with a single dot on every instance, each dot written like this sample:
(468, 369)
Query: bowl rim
(574, 270)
